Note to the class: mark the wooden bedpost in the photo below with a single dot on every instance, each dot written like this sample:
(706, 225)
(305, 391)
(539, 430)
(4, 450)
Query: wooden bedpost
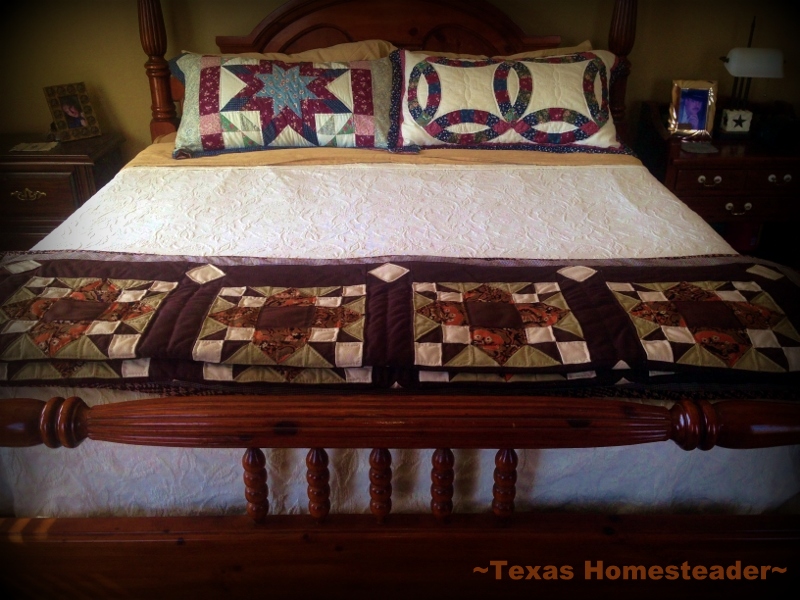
(621, 36)
(153, 36)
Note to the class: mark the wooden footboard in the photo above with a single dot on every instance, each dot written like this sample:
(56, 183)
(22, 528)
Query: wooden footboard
(383, 421)
(454, 555)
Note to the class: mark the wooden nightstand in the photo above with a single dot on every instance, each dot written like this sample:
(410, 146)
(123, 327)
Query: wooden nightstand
(38, 190)
(743, 189)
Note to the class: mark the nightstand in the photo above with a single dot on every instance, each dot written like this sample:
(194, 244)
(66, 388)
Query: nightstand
(38, 190)
(742, 190)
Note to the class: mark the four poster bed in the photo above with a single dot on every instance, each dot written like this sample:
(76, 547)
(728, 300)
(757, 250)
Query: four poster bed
(479, 296)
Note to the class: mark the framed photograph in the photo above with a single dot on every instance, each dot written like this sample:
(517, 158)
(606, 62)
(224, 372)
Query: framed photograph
(691, 112)
(73, 115)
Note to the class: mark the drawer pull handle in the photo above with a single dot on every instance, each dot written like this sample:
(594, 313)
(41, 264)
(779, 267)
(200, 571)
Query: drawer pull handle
(28, 195)
(729, 207)
(774, 179)
(702, 181)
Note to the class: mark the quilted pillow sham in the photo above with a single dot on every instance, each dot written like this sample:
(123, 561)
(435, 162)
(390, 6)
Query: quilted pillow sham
(235, 104)
(553, 102)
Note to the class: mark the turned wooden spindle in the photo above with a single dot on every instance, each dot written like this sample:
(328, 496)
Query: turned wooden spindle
(442, 476)
(380, 483)
(317, 476)
(255, 484)
(505, 483)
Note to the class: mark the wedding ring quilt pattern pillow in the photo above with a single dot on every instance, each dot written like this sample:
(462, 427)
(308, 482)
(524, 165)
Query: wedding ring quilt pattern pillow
(553, 102)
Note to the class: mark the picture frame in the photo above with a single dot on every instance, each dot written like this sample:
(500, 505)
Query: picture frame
(691, 112)
(73, 115)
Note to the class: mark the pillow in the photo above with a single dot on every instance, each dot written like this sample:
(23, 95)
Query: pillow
(554, 102)
(347, 52)
(582, 47)
(234, 104)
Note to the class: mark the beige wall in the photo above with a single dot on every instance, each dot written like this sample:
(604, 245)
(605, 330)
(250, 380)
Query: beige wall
(47, 42)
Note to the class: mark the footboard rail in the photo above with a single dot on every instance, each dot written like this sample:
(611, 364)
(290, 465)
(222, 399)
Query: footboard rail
(380, 422)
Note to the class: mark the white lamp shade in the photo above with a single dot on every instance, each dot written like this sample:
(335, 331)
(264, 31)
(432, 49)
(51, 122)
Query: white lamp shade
(755, 62)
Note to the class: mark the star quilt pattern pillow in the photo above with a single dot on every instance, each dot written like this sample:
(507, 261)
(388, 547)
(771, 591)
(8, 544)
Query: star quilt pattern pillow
(555, 102)
(236, 104)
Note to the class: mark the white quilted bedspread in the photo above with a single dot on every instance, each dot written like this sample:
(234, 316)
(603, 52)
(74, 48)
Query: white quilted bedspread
(351, 211)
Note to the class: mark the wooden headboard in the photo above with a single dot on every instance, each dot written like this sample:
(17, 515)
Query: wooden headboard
(467, 26)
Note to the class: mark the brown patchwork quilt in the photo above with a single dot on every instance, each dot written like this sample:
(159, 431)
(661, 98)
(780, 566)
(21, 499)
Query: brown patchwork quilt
(127, 320)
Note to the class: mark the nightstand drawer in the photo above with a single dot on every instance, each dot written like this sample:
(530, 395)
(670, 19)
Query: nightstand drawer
(709, 180)
(775, 180)
(737, 208)
(37, 195)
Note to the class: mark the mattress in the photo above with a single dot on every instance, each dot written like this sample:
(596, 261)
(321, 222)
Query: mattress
(363, 205)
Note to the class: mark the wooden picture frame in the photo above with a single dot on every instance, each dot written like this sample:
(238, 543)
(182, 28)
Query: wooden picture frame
(73, 115)
(691, 112)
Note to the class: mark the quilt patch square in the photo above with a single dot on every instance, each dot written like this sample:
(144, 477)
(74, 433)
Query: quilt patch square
(78, 318)
(723, 324)
(519, 324)
(320, 327)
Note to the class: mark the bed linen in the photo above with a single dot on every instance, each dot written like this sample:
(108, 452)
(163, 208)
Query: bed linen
(123, 218)
(392, 205)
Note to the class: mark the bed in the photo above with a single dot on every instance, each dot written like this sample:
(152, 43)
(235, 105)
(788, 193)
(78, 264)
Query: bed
(365, 313)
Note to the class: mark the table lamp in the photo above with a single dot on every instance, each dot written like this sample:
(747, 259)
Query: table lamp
(744, 64)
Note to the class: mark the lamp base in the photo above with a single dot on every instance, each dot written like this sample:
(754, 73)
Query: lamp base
(736, 121)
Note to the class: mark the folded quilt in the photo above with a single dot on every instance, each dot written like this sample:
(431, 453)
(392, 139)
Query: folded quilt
(146, 319)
